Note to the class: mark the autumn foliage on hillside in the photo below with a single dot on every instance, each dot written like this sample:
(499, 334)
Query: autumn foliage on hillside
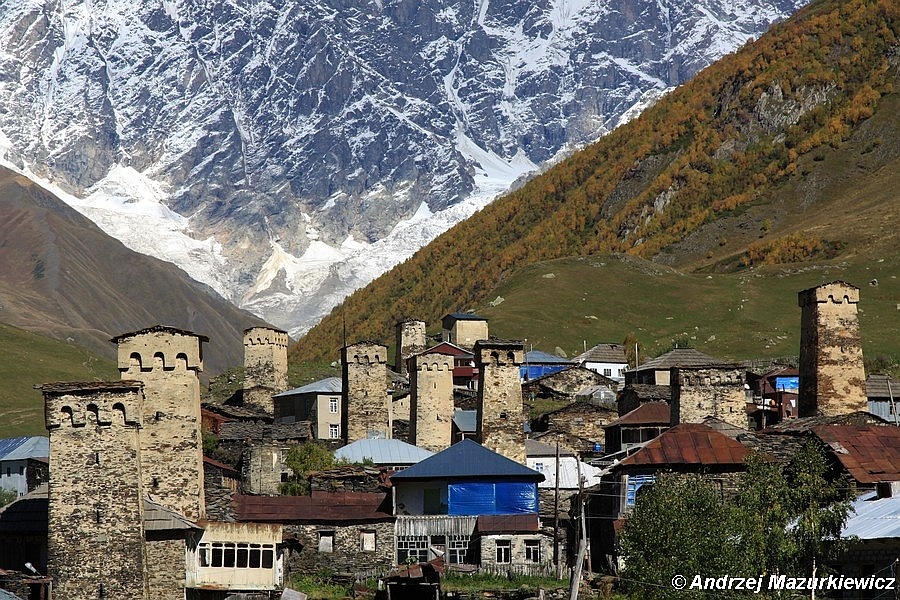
(736, 131)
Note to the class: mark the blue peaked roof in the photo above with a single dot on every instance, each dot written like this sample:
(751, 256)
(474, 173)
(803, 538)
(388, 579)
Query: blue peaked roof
(468, 460)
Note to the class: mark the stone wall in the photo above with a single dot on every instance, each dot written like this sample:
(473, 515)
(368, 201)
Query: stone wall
(346, 553)
(366, 405)
(218, 489)
(501, 417)
(411, 339)
(583, 420)
(95, 524)
(517, 543)
(165, 564)
(168, 362)
(832, 376)
(716, 391)
(265, 367)
(263, 469)
(431, 405)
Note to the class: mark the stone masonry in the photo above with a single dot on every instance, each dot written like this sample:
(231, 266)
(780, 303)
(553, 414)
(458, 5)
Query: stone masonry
(366, 405)
(712, 391)
(411, 339)
(431, 404)
(95, 528)
(501, 418)
(264, 469)
(265, 367)
(832, 377)
(168, 361)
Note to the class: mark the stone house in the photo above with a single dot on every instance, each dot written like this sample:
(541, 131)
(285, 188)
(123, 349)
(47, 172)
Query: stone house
(500, 411)
(582, 421)
(565, 384)
(710, 391)
(318, 402)
(366, 403)
(440, 501)
(343, 532)
(606, 359)
(657, 370)
(633, 395)
(463, 329)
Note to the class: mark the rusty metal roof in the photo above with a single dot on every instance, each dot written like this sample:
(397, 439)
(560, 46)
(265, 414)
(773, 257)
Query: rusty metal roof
(869, 453)
(320, 507)
(508, 524)
(648, 413)
(691, 444)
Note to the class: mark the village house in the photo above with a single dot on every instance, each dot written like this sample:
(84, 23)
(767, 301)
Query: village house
(657, 370)
(633, 395)
(883, 394)
(567, 384)
(774, 395)
(637, 427)
(393, 455)
(23, 463)
(469, 505)
(606, 359)
(580, 423)
(318, 402)
(463, 329)
(539, 363)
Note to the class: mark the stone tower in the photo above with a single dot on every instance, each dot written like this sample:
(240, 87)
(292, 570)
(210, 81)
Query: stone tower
(431, 402)
(265, 367)
(411, 339)
(366, 405)
(96, 518)
(709, 391)
(167, 361)
(832, 377)
(501, 418)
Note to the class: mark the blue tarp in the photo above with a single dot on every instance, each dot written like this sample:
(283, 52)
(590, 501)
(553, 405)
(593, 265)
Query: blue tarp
(484, 498)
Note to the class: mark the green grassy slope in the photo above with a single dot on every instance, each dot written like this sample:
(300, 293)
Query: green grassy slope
(28, 359)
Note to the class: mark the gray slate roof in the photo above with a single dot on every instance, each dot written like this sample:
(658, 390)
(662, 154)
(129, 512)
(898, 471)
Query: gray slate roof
(382, 452)
(604, 353)
(329, 385)
(679, 357)
(877, 387)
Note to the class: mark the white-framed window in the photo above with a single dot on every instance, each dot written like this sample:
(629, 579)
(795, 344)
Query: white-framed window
(231, 555)
(326, 541)
(607, 372)
(412, 548)
(533, 551)
(504, 552)
(539, 467)
(367, 540)
(457, 549)
(334, 431)
(333, 405)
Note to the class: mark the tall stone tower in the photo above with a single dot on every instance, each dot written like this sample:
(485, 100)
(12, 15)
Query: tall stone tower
(832, 377)
(265, 367)
(96, 518)
(411, 339)
(167, 361)
(366, 406)
(431, 402)
(501, 418)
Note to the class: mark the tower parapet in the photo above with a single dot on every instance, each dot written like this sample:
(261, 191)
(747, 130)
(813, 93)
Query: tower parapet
(265, 367)
(832, 375)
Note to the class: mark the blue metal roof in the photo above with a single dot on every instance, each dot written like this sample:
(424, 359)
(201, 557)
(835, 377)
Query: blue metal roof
(382, 452)
(873, 518)
(9, 444)
(33, 447)
(468, 460)
(538, 356)
(329, 385)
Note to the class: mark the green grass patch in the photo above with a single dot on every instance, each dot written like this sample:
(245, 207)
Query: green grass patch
(320, 587)
(467, 583)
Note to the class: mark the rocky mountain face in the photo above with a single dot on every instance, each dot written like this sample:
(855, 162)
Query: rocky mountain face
(286, 153)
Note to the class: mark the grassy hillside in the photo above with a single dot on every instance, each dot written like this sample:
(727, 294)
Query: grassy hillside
(784, 153)
(28, 359)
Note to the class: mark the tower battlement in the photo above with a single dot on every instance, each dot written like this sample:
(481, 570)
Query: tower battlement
(96, 403)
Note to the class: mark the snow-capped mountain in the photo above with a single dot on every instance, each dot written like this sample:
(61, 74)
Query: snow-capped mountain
(288, 153)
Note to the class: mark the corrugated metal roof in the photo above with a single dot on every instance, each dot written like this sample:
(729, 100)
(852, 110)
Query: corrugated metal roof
(508, 524)
(468, 460)
(34, 447)
(466, 420)
(320, 507)
(329, 385)
(869, 453)
(461, 316)
(540, 357)
(4, 595)
(689, 444)
(382, 452)
(648, 413)
(9, 444)
(873, 518)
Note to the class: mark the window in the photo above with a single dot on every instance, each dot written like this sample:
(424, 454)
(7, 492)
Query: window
(333, 405)
(504, 552)
(539, 467)
(457, 549)
(533, 551)
(607, 372)
(326, 541)
(412, 549)
(230, 555)
(334, 431)
(367, 541)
